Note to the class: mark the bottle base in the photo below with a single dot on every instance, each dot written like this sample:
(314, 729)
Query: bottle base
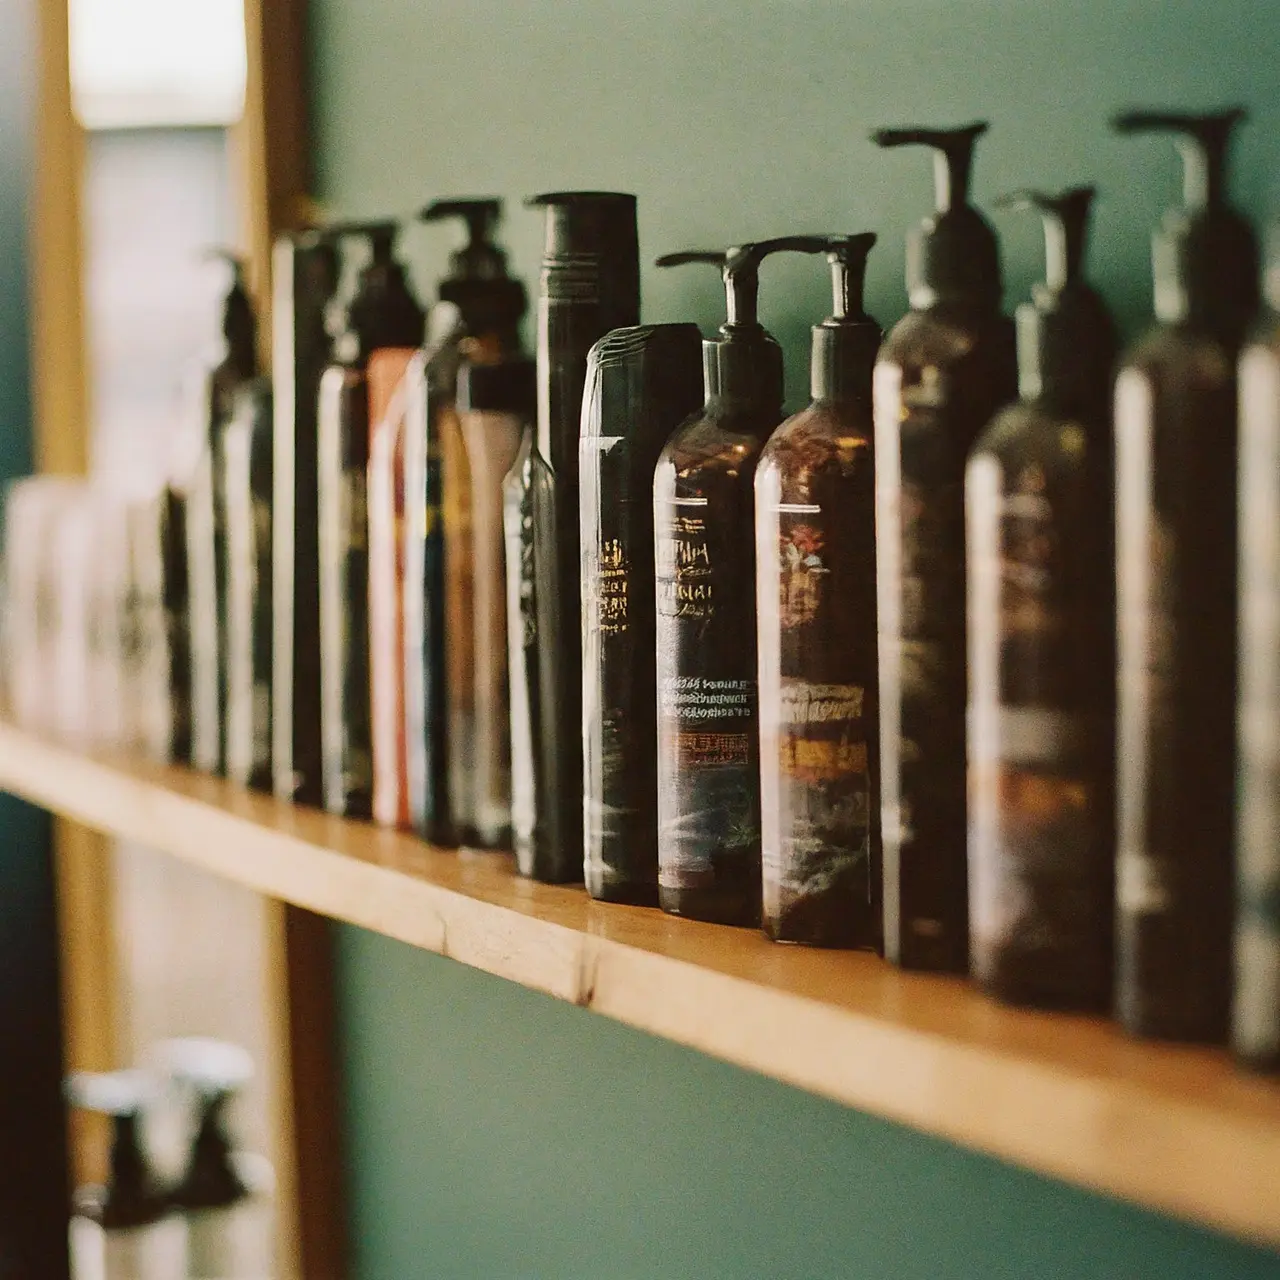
(625, 893)
(713, 906)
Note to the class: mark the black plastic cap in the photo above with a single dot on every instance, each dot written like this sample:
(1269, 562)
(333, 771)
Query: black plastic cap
(642, 382)
(591, 252)
(239, 322)
(952, 257)
(510, 387)
(478, 283)
(1067, 340)
(382, 312)
(1205, 254)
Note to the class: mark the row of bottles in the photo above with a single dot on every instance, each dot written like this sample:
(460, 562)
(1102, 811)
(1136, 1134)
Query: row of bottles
(932, 667)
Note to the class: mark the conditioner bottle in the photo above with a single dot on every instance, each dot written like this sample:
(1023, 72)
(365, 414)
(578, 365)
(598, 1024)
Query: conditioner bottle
(943, 371)
(382, 312)
(1042, 649)
(642, 382)
(590, 283)
(703, 516)
(1175, 420)
(816, 637)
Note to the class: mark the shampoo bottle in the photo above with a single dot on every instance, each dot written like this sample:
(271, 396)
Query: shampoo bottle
(1041, 595)
(496, 405)
(816, 638)
(590, 283)
(642, 382)
(1256, 1017)
(944, 370)
(246, 488)
(304, 276)
(1175, 421)
(708, 755)
(457, 663)
(382, 312)
(196, 534)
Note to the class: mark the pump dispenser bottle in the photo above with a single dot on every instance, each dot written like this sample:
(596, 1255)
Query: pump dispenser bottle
(943, 371)
(816, 638)
(1176, 456)
(590, 284)
(445, 642)
(381, 313)
(1256, 1016)
(222, 1192)
(642, 382)
(703, 517)
(194, 547)
(125, 1229)
(1041, 604)
(304, 276)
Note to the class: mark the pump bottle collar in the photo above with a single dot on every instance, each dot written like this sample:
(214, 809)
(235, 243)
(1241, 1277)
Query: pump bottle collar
(953, 256)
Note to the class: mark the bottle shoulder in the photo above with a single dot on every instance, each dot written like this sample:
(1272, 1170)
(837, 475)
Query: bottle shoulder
(715, 442)
(1180, 354)
(823, 436)
(1030, 432)
(944, 334)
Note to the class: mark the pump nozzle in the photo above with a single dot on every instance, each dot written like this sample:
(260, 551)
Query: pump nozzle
(1205, 254)
(848, 258)
(740, 270)
(953, 256)
(1066, 338)
(952, 160)
(380, 234)
(1066, 228)
(481, 214)
(478, 283)
(1203, 141)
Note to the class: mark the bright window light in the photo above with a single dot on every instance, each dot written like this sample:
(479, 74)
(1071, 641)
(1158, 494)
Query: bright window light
(138, 63)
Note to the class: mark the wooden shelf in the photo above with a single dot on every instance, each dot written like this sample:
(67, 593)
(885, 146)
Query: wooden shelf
(1175, 1129)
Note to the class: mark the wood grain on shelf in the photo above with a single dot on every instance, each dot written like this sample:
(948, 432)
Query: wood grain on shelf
(1175, 1129)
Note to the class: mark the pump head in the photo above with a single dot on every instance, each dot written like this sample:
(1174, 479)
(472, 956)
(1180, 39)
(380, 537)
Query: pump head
(953, 256)
(845, 344)
(746, 362)
(382, 311)
(1205, 254)
(478, 283)
(1066, 338)
(239, 324)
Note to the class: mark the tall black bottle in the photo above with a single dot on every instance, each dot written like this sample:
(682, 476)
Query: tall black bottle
(816, 636)
(944, 370)
(195, 585)
(642, 382)
(590, 283)
(381, 312)
(1176, 436)
(1041, 548)
(449, 662)
(304, 276)
(704, 548)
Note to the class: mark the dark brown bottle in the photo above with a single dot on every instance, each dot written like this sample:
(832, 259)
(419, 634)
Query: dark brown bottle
(942, 373)
(381, 313)
(1255, 1023)
(1176, 456)
(816, 635)
(590, 283)
(1041, 647)
(642, 382)
(704, 546)
(304, 275)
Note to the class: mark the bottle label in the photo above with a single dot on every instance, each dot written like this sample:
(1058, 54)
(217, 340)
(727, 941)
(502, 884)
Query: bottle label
(709, 827)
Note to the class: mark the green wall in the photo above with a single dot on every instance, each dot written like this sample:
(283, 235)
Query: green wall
(492, 1132)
